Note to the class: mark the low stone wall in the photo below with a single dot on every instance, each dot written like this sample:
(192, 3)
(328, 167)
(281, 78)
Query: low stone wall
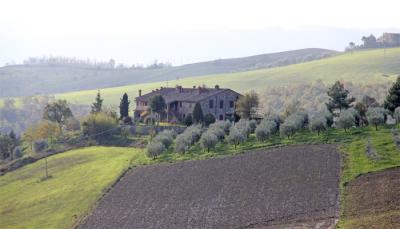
(147, 129)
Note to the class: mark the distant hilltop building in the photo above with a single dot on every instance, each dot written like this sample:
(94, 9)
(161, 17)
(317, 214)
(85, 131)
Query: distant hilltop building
(389, 40)
(220, 102)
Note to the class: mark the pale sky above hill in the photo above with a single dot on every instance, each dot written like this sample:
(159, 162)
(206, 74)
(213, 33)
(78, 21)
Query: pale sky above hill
(184, 31)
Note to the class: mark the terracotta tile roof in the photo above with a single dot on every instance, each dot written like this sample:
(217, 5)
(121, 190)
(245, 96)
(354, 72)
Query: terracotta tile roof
(183, 94)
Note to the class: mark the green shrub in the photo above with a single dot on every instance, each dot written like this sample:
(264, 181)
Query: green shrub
(188, 121)
(208, 119)
(40, 145)
(100, 126)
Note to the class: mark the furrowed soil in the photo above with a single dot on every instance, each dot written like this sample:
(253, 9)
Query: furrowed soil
(373, 200)
(296, 187)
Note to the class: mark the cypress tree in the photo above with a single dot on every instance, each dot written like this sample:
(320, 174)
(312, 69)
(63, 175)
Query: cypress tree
(393, 98)
(97, 105)
(198, 113)
(124, 107)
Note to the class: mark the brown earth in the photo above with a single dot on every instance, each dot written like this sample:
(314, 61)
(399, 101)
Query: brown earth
(296, 187)
(373, 200)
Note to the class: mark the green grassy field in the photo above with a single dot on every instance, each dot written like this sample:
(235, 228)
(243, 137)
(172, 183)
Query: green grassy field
(79, 178)
(360, 67)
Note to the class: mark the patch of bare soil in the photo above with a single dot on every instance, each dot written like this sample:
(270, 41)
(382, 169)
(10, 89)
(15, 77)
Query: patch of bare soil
(296, 187)
(373, 200)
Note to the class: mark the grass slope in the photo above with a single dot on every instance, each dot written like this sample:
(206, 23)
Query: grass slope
(26, 80)
(360, 67)
(79, 178)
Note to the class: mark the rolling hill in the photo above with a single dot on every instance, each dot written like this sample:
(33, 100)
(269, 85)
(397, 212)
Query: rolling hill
(28, 80)
(361, 67)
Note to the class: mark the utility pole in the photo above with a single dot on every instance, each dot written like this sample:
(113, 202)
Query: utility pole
(47, 172)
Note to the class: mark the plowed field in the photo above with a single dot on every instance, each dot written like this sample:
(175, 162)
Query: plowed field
(295, 186)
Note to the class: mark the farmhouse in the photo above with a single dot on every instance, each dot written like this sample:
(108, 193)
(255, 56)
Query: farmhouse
(389, 40)
(220, 102)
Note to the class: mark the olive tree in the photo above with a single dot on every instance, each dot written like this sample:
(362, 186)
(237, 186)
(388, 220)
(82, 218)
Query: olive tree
(165, 137)
(236, 136)
(208, 140)
(318, 124)
(155, 149)
(396, 114)
(265, 129)
(244, 126)
(182, 143)
(376, 116)
(288, 128)
(346, 120)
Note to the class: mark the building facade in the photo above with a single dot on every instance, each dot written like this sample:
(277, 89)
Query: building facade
(220, 102)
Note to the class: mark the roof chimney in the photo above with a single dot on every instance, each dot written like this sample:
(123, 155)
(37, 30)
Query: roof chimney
(179, 88)
(140, 92)
(217, 87)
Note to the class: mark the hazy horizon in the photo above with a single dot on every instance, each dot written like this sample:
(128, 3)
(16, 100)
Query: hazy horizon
(131, 32)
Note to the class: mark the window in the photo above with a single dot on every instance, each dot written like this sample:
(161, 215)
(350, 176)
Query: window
(211, 104)
(221, 104)
(231, 104)
(221, 117)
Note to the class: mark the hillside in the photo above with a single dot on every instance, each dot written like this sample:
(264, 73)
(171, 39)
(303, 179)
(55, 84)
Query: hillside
(362, 67)
(79, 178)
(27, 80)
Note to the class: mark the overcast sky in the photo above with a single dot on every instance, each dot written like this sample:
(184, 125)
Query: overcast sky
(184, 31)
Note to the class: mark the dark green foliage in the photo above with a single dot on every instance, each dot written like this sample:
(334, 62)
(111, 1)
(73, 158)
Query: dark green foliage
(338, 97)
(188, 120)
(58, 112)
(124, 107)
(198, 116)
(208, 119)
(97, 105)
(40, 145)
(17, 153)
(362, 110)
(393, 98)
(8, 143)
(157, 105)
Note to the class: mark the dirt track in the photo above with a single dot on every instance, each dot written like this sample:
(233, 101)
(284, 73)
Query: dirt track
(294, 186)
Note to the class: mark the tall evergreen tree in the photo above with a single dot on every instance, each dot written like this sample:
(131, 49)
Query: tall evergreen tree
(338, 97)
(157, 105)
(393, 98)
(97, 105)
(124, 107)
(198, 116)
